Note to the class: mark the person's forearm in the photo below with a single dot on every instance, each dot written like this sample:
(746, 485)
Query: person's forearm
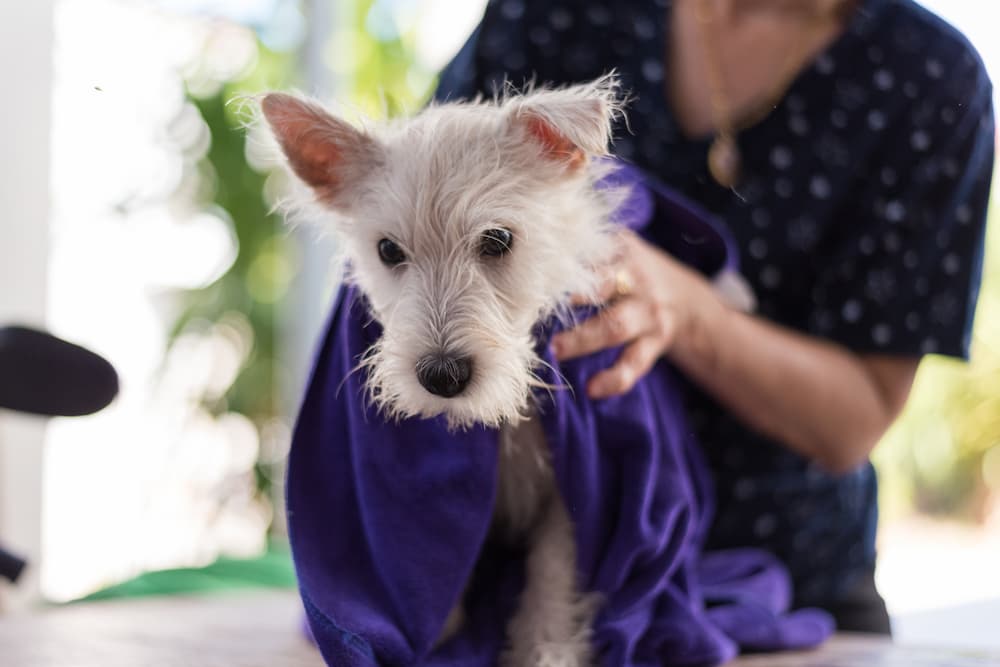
(817, 398)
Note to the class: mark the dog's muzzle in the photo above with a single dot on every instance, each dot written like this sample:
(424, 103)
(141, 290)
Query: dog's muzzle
(443, 375)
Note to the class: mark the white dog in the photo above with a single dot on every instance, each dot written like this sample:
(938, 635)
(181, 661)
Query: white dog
(464, 226)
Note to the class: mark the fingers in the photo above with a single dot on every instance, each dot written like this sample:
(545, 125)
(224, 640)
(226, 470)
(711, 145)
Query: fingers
(635, 361)
(616, 279)
(616, 325)
(613, 283)
(639, 316)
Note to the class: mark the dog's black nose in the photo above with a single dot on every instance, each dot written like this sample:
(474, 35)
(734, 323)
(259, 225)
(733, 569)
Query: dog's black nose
(444, 376)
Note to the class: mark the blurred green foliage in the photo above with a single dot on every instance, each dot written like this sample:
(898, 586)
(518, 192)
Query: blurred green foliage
(257, 280)
(383, 79)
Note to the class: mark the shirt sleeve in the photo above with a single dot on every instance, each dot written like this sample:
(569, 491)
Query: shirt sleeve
(904, 277)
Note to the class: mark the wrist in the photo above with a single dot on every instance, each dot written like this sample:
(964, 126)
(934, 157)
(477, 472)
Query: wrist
(699, 345)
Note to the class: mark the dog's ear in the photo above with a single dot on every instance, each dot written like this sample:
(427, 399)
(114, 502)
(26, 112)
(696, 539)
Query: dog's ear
(328, 154)
(569, 124)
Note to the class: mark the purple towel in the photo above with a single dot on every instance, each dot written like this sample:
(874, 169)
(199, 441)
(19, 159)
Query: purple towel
(388, 522)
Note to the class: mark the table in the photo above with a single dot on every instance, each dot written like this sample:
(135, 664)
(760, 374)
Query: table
(261, 629)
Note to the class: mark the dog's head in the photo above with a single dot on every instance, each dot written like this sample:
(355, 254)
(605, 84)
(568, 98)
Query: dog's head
(463, 226)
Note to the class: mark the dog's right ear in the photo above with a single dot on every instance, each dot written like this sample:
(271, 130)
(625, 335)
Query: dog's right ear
(569, 125)
(328, 154)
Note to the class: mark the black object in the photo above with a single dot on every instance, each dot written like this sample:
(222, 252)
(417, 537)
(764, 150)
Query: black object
(11, 566)
(44, 375)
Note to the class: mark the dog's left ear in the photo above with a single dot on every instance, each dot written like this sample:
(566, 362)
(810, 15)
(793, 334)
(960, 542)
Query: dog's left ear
(569, 125)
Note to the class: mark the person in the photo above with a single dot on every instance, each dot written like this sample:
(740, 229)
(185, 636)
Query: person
(848, 147)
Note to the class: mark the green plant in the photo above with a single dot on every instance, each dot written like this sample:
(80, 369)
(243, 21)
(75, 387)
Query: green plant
(249, 292)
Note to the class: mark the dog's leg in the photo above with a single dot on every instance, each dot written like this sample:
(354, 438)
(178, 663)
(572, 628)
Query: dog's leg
(454, 622)
(551, 627)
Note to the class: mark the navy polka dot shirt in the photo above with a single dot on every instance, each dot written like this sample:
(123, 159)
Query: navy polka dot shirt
(860, 219)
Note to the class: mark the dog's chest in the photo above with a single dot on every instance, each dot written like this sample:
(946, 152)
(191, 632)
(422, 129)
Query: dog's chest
(526, 482)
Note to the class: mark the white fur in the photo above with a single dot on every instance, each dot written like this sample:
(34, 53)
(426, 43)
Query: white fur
(434, 184)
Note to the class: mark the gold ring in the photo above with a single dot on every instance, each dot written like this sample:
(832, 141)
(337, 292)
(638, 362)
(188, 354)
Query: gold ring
(623, 286)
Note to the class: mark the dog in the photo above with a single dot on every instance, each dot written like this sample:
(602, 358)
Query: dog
(465, 226)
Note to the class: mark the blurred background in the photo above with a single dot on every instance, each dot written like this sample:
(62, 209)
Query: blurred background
(136, 221)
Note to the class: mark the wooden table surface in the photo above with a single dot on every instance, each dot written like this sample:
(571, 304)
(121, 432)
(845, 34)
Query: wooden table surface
(261, 629)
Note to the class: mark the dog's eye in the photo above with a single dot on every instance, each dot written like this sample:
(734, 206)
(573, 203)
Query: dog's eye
(495, 242)
(390, 253)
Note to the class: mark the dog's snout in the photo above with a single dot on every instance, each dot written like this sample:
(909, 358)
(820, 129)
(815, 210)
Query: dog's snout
(443, 375)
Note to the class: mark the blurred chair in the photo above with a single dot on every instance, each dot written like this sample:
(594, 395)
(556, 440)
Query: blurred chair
(46, 376)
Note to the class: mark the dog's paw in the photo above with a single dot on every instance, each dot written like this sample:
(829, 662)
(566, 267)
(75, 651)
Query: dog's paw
(454, 623)
(560, 655)
(557, 637)
(550, 654)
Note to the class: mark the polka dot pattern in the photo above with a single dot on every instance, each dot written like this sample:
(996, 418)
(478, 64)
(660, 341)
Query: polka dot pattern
(859, 219)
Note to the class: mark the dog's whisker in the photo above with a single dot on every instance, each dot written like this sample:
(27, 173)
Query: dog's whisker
(564, 382)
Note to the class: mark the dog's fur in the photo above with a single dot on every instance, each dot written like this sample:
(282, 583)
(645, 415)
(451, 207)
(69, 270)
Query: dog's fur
(435, 184)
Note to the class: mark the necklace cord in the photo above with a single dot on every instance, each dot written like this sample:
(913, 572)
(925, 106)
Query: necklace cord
(724, 159)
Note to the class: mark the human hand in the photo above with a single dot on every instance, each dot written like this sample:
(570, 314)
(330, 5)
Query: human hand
(654, 306)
